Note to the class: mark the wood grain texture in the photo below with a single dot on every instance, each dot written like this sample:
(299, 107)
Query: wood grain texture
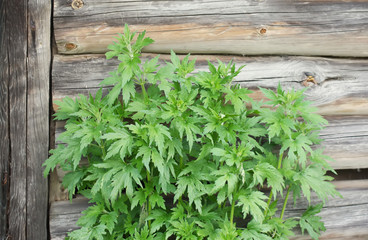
(17, 53)
(38, 70)
(272, 27)
(341, 87)
(345, 140)
(345, 218)
(4, 124)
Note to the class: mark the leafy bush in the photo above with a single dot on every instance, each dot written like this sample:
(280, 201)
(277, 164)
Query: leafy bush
(189, 155)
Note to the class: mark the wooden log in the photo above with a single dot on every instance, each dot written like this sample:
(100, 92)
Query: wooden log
(341, 87)
(4, 124)
(272, 27)
(16, 18)
(38, 97)
(345, 218)
(345, 140)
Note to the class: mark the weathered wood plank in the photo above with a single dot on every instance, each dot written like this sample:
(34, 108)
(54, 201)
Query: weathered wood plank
(16, 18)
(38, 70)
(344, 218)
(277, 27)
(345, 140)
(4, 124)
(341, 83)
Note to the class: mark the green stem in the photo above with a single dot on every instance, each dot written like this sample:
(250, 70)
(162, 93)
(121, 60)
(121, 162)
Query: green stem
(280, 161)
(285, 202)
(268, 203)
(181, 164)
(102, 146)
(149, 213)
(232, 211)
(148, 199)
(144, 91)
(271, 194)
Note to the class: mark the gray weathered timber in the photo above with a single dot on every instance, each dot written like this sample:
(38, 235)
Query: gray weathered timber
(277, 27)
(16, 18)
(345, 140)
(38, 70)
(345, 218)
(341, 87)
(4, 124)
(24, 117)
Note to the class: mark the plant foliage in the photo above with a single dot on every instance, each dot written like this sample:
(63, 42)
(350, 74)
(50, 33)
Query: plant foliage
(178, 154)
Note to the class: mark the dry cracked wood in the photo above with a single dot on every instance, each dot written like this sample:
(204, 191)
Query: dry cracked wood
(345, 218)
(340, 86)
(251, 27)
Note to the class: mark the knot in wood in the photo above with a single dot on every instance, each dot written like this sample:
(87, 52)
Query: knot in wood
(70, 46)
(309, 79)
(262, 30)
(5, 179)
(77, 4)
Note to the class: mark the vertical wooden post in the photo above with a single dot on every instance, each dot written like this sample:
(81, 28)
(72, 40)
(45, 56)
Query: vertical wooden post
(16, 32)
(4, 125)
(38, 69)
(25, 55)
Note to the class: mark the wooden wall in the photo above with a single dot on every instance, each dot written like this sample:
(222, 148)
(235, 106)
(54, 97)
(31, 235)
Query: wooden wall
(25, 55)
(285, 41)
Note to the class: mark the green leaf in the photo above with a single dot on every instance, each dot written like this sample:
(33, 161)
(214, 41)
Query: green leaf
(218, 152)
(252, 202)
(256, 231)
(312, 223)
(313, 177)
(73, 180)
(66, 107)
(109, 220)
(114, 94)
(274, 178)
(122, 142)
(159, 217)
(174, 59)
(90, 216)
(156, 199)
(123, 179)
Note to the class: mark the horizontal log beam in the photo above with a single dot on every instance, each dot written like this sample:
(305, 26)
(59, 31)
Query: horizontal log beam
(340, 86)
(345, 218)
(272, 27)
(345, 140)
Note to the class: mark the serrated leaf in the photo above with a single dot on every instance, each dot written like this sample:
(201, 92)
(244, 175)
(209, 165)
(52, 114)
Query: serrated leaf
(109, 220)
(312, 223)
(159, 217)
(252, 202)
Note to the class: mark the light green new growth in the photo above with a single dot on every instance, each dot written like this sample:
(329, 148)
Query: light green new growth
(175, 154)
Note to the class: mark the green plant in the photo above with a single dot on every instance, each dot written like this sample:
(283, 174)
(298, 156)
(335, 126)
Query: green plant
(190, 155)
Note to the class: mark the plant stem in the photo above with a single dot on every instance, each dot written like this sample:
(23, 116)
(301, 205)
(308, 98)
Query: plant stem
(181, 164)
(285, 202)
(280, 161)
(232, 210)
(102, 146)
(268, 203)
(271, 194)
(148, 199)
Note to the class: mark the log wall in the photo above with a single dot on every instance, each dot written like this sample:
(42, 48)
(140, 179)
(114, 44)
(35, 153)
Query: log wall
(251, 27)
(284, 41)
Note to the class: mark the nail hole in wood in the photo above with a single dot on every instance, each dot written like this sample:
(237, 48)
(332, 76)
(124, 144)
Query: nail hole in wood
(77, 4)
